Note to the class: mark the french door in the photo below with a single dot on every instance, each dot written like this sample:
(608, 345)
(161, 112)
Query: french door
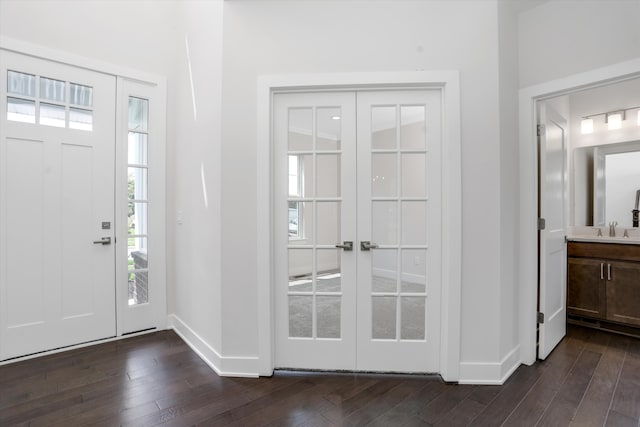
(57, 145)
(358, 241)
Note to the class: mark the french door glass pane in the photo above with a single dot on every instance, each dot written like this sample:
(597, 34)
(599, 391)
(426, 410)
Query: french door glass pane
(300, 316)
(413, 128)
(314, 174)
(412, 312)
(328, 175)
(383, 175)
(414, 228)
(384, 228)
(413, 173)
(383, 128)
(300, 129)
(383, 317)
(328, 223)
(384, 267)
(328, 276)
(301, 175)
(300, 221)
(329, 128)
(300, 270)
(328, 316)
(414, 270)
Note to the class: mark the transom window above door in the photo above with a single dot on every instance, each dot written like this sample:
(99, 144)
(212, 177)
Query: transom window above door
(47, 101)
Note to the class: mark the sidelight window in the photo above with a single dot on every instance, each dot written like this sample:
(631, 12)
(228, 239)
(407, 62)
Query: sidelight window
(137, 189)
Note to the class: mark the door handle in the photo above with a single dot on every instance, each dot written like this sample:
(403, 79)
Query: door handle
(602, 271)
(103, 241)
(346, 245)
(365, 245)
(608, 271)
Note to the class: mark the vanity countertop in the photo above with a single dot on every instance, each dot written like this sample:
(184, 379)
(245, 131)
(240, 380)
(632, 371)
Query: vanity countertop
(590, 234)
(605, 239)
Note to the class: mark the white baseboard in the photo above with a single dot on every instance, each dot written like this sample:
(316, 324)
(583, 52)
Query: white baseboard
(225, 366)
(492, 373)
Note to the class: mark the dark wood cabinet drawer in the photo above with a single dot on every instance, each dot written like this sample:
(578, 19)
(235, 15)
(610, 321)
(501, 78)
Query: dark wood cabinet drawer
(612, 251)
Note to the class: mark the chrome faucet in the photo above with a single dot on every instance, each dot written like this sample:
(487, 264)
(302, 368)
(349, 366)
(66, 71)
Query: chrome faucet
(636, 212)
(612, 229)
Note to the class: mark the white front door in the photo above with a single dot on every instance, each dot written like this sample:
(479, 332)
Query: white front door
(357, 239)
(553, 247)
(57, 143)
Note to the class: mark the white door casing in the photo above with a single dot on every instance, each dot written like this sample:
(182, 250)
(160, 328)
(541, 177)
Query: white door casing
(553, 208)
(57, 287)
(396, 284)
(528, 238)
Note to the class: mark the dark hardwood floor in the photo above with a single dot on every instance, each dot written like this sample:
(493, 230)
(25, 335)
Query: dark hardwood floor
(591, 379)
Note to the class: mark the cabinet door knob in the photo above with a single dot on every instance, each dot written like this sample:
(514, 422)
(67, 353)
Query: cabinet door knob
(602, 271)
(608, 271)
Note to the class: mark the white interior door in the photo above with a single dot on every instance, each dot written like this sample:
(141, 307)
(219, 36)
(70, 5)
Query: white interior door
(316, 203)
(57, 284)
(360, 307)
(553, 248)
(399, 205)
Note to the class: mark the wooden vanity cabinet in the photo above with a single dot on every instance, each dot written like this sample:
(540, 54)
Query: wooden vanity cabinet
(603, 282)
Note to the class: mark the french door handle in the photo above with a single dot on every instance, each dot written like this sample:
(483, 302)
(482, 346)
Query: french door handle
(346, 245)
(366, 245)
(103, 241)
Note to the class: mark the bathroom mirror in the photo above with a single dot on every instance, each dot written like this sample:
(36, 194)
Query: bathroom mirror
(607, 179)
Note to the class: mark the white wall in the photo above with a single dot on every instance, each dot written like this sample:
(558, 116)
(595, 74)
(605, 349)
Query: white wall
(564, 37)
(137, 35)
(280, 37)
(507, 294)
(194, 215)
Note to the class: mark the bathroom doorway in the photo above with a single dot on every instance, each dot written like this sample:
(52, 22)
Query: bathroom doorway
(572, 92)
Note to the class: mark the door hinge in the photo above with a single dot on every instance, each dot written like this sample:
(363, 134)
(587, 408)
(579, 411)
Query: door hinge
(542, 224)
(540, 130)
(540, 317)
